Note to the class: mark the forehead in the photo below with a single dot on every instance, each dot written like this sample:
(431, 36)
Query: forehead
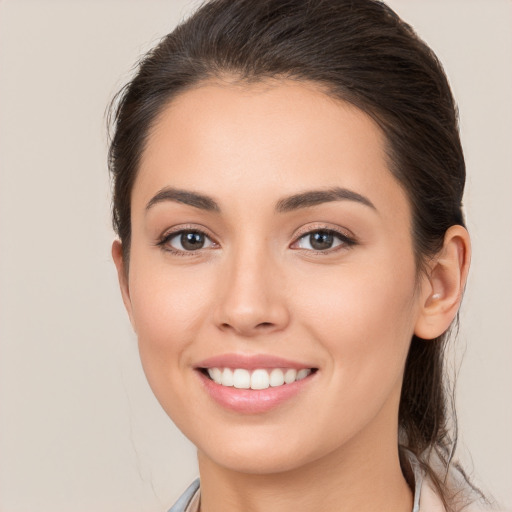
(264, 140)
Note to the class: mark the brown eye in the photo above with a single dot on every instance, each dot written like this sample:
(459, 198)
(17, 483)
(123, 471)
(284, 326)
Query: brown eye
(323, 240)
(192, 241)
(187, 241)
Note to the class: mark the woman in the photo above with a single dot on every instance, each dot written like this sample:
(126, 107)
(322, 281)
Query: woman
(288, 179)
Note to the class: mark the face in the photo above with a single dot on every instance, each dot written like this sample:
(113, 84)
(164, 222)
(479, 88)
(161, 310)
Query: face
(272, 282)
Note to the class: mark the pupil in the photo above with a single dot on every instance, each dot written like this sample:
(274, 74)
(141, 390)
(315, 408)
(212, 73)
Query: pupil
(321, 240)
(192, 241)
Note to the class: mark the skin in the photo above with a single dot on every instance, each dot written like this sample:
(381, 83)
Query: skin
(257, 287)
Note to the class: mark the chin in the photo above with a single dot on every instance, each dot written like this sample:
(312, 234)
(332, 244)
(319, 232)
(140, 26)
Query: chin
(260, 453)
(262, 463)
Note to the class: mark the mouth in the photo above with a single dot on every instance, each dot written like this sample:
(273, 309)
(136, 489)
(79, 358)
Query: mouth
(254, 384)
(256, 379)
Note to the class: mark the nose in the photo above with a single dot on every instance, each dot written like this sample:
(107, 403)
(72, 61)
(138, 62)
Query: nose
(252, 299)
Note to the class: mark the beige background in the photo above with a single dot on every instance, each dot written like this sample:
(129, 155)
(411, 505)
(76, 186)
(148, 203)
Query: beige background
(79, 427)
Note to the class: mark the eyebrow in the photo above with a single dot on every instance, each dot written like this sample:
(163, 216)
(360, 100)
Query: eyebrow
(184, 196)
(287, 204)
(316, 197)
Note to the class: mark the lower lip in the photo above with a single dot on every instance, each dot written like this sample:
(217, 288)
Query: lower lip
(253, 401)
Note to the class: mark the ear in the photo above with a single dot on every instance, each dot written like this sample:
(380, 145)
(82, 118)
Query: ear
(443, 287)
(122, 276)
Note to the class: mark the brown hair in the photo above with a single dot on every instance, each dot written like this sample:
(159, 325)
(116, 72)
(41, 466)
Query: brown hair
(359, 51)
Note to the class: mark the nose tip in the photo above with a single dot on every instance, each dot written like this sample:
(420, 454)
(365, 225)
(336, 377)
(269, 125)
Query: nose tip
(252, 301)
(252, 315)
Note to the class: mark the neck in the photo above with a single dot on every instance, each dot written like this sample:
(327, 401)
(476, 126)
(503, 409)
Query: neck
(360, 476)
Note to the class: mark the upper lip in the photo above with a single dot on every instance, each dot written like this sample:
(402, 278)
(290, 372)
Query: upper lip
(250, 362)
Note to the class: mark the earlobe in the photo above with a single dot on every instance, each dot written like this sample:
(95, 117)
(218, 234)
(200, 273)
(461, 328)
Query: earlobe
(122, 276)
(444, 286)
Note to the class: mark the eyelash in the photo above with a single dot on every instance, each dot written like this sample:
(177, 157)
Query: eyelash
(163, 242)
(345, 240)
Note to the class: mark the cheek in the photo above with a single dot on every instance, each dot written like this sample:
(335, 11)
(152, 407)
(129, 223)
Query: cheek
(364, 312)
(166, 302)
(169, 308)
(368, 291)
(364, 318)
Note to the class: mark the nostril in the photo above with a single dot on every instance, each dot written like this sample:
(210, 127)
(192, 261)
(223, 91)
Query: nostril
(265, 324)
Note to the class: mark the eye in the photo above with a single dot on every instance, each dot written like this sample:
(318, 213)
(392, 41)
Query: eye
(323, 240)
(186, 241)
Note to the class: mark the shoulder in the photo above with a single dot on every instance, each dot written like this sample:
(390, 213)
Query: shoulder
(429, 501)
(464, 497)
(189, 500)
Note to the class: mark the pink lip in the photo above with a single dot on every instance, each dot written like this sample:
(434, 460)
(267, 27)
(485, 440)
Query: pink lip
(249, 401)
(250, 362)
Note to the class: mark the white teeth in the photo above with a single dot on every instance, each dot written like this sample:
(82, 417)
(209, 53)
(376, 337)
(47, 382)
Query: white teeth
(241, 379)
(260, 379)
(227, 377)
(215, 374)
(276, 377)
(257, 379)
(302, 374)
(290, 375)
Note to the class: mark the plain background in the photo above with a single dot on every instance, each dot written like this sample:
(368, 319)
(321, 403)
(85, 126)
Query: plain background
(79, 428)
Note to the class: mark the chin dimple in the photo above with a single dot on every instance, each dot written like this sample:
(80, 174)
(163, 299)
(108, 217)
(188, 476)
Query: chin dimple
(241, 378)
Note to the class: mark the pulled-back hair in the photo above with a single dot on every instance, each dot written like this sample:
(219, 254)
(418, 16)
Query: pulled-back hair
(361, 52)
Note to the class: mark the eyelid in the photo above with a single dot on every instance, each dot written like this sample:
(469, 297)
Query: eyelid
(347, 237)
(170, 233)
(312, 228)
(343, 234)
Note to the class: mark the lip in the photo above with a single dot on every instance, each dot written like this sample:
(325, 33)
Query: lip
(251, 362)
(249, 401)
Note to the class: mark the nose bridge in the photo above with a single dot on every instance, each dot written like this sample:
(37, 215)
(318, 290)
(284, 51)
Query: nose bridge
(252, 298)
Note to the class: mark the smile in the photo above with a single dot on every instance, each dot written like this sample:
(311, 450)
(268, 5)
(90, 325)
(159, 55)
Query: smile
(254, 384)
(258, 379)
